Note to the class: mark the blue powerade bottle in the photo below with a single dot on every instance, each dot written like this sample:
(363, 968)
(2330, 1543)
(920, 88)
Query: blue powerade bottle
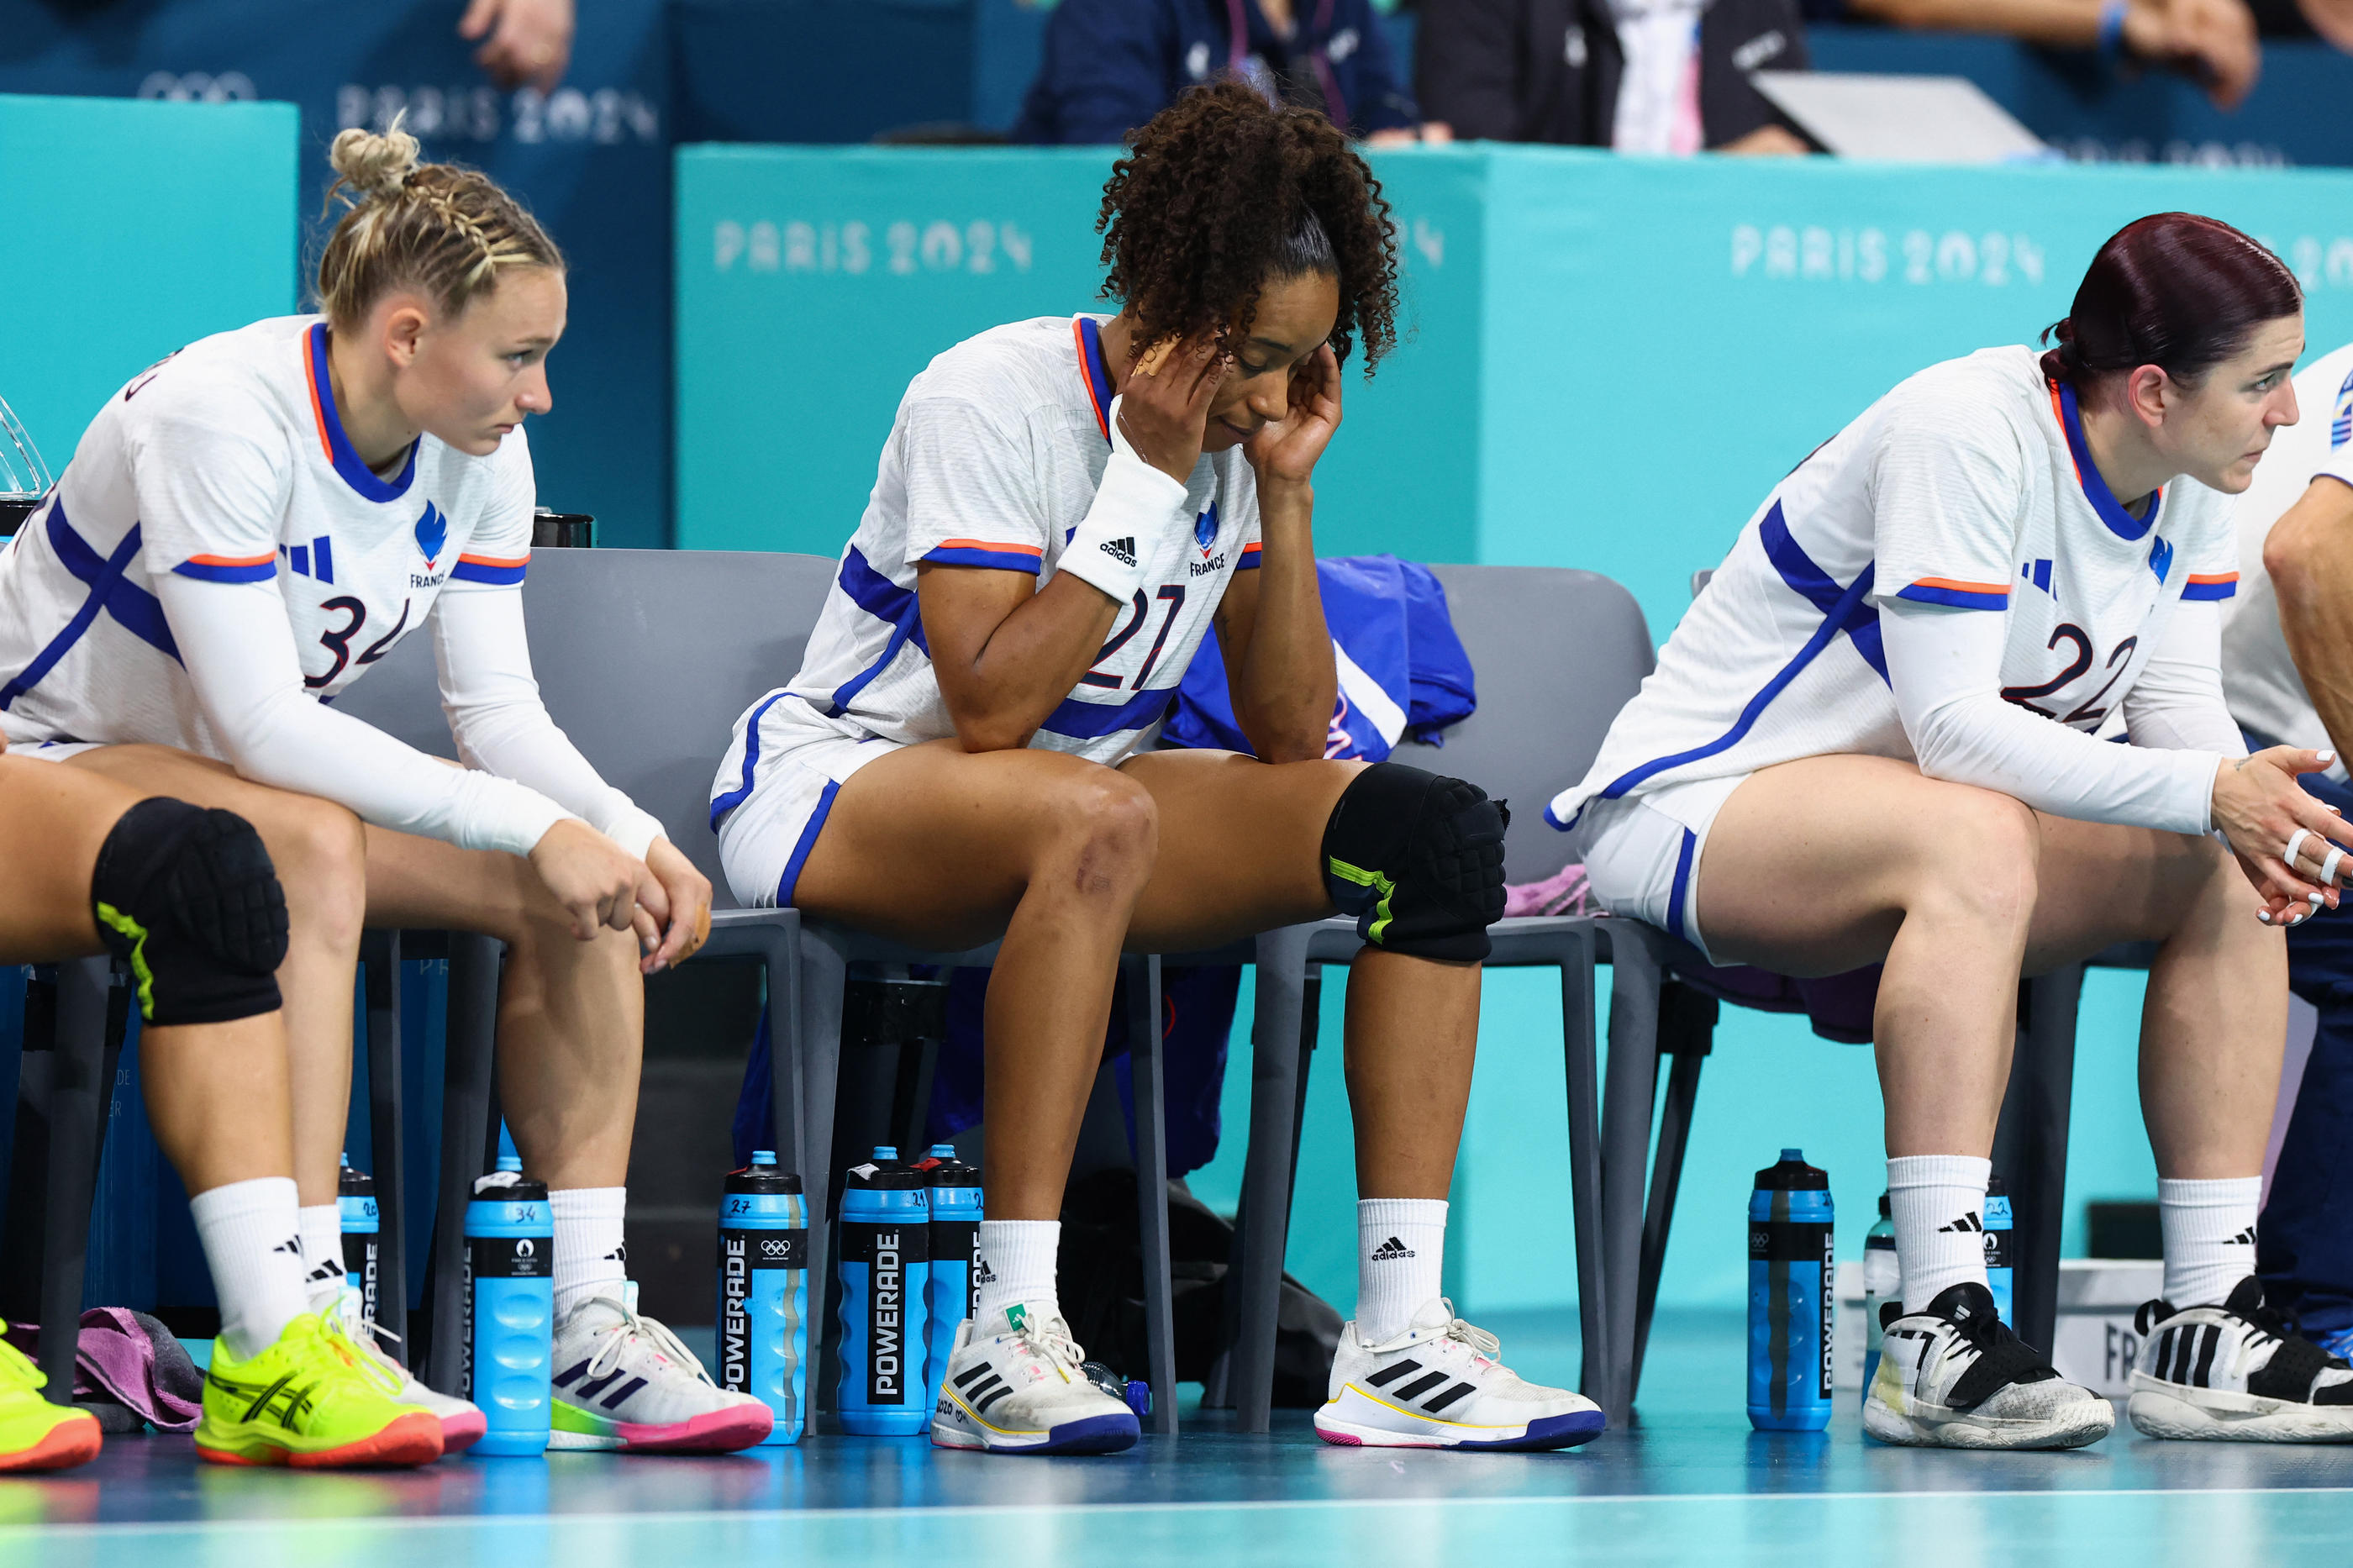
(1791, 1271)
(885, 1272)
(955, 1195)
(1997, 1246)
(763, 1292)
(511, 1307)
(355, 1207)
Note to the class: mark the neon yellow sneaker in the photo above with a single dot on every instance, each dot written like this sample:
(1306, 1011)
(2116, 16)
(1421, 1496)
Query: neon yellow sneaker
(35, 1435)
(310, 1401)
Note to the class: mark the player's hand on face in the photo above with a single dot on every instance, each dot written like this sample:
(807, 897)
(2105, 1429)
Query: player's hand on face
(687, 892)
(2283, 838)
(1164, 410)
(1285, 450)
(600, 884)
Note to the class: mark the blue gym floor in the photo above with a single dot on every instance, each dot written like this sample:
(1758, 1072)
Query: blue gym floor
(1689, 1483)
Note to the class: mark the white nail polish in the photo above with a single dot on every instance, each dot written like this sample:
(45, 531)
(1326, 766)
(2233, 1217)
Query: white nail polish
(2315, 899)
(2328, 758)
(2264, 916)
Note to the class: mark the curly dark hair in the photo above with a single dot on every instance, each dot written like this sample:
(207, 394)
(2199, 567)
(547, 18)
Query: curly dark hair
(1224, 192)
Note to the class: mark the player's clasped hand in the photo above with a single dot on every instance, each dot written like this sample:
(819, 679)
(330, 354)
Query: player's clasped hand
(2291, 847)
(600, 884)
(1164, 410)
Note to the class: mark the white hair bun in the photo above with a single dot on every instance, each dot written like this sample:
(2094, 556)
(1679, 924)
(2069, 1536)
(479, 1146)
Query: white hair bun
(373, 164)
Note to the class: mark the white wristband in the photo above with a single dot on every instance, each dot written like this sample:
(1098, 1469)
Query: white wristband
(635, 830)
(1133, 506)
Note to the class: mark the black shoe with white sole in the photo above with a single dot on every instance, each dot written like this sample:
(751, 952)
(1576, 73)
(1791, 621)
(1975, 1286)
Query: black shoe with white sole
(1955, 1376)
(2239, 1372)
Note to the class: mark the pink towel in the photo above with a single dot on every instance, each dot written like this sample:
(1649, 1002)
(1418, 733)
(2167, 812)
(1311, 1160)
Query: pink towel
(1565, 892)
(129, 1360)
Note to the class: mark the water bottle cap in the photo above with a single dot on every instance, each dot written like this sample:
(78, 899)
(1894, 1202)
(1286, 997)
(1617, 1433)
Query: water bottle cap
(1793, 1156)
(510, 1161)
(346, 1161)
(1883, 1210)
(764, 1156)
(943, 1150)
(886, 1151)
(1995, 1187)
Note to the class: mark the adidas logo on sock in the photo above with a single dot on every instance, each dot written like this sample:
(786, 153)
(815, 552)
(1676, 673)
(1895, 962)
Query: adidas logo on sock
(1390, 1248)
(986, 1276)
(619, 1255)
(326, 1269)
(2245, 1238)
(1121, 550)
(1968, 1222)
(292, 1245)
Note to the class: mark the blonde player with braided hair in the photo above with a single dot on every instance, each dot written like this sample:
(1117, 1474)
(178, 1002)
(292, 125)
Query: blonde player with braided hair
(246, 527)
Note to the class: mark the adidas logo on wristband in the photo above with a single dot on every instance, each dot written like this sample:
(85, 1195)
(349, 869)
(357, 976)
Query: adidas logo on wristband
(1121, 550)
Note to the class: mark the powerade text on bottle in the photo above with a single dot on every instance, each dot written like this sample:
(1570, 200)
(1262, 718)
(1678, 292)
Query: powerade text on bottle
(1882, 1281)
(885, 1272)
(954, 1191)
(355, 1207)
(763, 1292)
(1997, 1246)
(511, 1307)
(1791, 1272)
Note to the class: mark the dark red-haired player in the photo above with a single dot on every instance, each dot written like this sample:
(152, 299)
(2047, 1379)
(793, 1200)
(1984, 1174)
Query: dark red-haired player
(1876, 738)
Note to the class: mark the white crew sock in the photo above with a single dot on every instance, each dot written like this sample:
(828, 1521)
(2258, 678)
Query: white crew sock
(1016, 1264)
(1937, 1202)
(252, 1235)
(322, 1253)
(1400, 1254)
(2210, 1236)
(591, 1258)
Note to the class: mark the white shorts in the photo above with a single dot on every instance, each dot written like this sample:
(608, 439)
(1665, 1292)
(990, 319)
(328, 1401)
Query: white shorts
(764, 840)
(1642, 853)
(52, 751)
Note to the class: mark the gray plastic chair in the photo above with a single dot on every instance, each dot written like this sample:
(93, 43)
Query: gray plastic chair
(1557, 653)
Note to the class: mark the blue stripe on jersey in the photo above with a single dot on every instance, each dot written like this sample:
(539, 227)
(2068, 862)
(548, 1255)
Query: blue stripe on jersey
(1098, 373)
(133, 607)
(1002, 559)
(1820, 588)
(2095, 486)
(1835, 621)
(227, 570)
(468, 571)
(356, 473)
(1092, 720)
(722, 803)
(789, 883)
(1683, 879)
(1954, 598)
(879, 596)
(2198, 590)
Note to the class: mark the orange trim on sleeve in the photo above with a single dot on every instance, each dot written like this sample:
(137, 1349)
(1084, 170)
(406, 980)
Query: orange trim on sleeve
(991, 544)
(2213, 576)
(264, 558)
(522, 560)
(1957, 586)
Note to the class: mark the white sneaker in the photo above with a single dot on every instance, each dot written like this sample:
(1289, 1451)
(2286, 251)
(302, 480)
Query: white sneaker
(462, 1423)
(1955, 1376)
(623, 1380)
(2239, 1372)
(1440, 1385)
(1020, 1390)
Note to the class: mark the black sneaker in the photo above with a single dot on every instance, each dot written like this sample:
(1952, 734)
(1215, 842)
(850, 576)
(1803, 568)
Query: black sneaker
(1955, 1376)
(2239, 1372)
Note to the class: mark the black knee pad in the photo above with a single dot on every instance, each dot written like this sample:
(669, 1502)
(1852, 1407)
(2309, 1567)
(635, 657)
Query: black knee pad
(1419, 859)
(189, 900)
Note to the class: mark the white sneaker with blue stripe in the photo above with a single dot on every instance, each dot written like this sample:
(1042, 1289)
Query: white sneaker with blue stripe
(1016, 1385)
(1440, 1385)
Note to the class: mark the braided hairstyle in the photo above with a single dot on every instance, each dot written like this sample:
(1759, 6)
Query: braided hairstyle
(442, 229)
(1222, 194)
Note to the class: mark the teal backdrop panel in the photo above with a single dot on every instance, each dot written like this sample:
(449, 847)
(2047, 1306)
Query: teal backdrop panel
(138, 227)
(813, 283)
(1666, 339)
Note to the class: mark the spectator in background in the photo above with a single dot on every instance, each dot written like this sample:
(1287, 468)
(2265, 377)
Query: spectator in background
(1112, 65)
(1642, 76)
(2329, 19)
(525, 42)
(2210, 41)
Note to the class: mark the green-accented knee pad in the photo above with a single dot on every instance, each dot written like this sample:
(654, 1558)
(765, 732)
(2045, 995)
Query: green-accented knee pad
(188, 898)
(1419, 859)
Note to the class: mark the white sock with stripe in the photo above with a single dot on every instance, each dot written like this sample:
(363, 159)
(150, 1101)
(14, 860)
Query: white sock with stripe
(591, 1259)
(2210, 1236)
(1016, 1260)
(1400, 1257)
(1937, 1202)
(252, 1237)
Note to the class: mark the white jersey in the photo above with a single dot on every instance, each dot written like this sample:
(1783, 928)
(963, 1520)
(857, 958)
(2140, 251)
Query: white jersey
(994, 459)
(216, 564)
(1969, 486)
(226, 463)
(2259, 676)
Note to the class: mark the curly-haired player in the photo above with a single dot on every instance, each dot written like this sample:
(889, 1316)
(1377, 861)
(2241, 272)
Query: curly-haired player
(1064, 507)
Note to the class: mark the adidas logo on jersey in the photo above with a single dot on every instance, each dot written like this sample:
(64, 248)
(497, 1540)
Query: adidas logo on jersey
(1967, 1223)
(1121, 550)
(1392, 1248)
